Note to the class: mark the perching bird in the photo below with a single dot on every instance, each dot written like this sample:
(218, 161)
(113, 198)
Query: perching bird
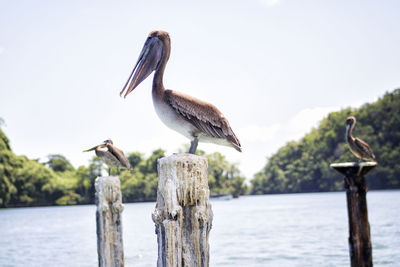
(197, 120)
(357, 146)
(112, 156)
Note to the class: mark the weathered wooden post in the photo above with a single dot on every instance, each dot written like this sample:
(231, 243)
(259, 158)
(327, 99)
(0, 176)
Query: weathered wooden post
(108, 221)
(183, 215)
(356, 191)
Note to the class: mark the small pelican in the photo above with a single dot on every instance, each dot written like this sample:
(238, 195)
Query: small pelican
(197, 120)
(112, 156)
(357, 146)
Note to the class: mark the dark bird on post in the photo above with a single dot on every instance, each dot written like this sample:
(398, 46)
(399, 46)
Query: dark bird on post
(112, 156)
(197, 120)
(357, 146)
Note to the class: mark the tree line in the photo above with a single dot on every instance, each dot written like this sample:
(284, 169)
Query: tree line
(303, 166)
(299, 166)
(25, 182)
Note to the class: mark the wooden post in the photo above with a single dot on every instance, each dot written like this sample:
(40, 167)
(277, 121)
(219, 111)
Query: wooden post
(108, 221)
(183, 215)
(359, 230)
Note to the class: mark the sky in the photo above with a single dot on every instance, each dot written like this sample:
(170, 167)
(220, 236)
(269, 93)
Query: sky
(274, 68)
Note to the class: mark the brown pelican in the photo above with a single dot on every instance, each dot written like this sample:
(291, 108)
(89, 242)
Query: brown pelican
(197, 120)
(357, 146)
(112, 156)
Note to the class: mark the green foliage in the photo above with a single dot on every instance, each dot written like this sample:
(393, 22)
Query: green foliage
(224, 177)
(8, 163)
(135, 158)
(141, 183)
(59, 163)
(237, 186)
(4, 143)
(85, 178)
(69, 199)
(303, 166)
(150, 165)
(32, 181)
(23, 181)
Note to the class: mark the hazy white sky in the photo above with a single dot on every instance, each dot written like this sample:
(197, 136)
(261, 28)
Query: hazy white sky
(275, 68)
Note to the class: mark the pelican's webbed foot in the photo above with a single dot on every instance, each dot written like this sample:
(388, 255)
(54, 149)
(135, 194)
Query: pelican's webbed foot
(193, 145)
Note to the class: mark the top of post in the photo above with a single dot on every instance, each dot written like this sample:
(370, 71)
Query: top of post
(354, 168)
(183, 180)
(182, 157)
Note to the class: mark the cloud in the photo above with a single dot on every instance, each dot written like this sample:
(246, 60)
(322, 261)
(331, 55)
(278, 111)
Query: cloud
(1, 50)
(253, 133)
(306, 119)
(293, 129)
(358, 103)
(270, 3)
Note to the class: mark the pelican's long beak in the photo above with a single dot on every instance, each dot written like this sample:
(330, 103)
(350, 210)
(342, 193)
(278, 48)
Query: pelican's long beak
(148, 61)
(347, 132)
(90, 149)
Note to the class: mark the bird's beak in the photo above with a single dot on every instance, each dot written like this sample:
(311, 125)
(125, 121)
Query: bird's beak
(90, 149)
(347, 131)
(148, 61)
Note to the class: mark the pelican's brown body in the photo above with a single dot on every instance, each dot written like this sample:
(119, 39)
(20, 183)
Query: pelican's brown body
(112, 156)
(357, 146)
(193, 118)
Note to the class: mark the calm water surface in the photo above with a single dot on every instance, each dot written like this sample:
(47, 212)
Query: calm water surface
(272, 230)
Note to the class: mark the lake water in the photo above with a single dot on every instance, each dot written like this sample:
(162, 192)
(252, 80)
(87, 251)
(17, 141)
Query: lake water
(270, 230)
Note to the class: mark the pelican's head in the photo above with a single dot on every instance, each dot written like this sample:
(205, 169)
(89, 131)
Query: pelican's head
(153, 52)
(350, 120)
(108, 141)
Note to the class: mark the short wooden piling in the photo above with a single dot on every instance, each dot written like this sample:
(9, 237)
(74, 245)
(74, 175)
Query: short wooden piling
(108, 221)
(359, 230)
(183, 215)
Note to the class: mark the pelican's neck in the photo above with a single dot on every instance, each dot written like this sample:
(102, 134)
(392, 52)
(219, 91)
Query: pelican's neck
(158, 78)
(158, 85)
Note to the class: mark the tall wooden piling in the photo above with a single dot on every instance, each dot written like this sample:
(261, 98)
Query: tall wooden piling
(359, 230)
(183, 215)
(108, 221)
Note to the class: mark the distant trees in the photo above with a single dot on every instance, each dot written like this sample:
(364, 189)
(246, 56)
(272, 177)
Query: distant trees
(303, 166)
(58, 163)
(22, 181)
(141, 183)
(224, 177)
(25, 182)
(299, 166)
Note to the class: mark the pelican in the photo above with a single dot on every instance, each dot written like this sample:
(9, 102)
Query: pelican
(357, 146)
(112, 156)
(197, 120)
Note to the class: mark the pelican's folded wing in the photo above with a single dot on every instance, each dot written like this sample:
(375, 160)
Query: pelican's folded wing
(365, 149)
(204, 116)
(119, 154)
